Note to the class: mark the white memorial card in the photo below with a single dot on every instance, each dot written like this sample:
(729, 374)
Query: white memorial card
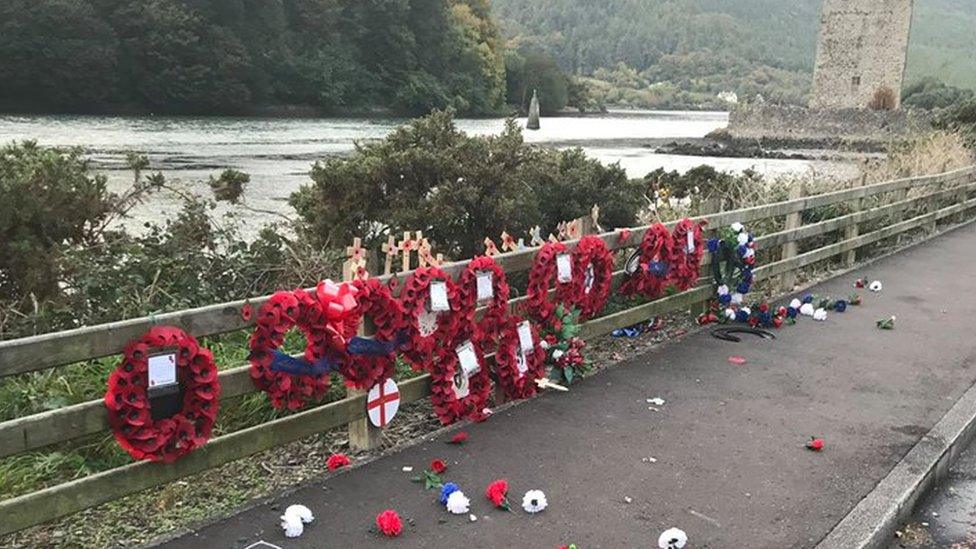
(589, 279)
(162, 370)
(438, 297)
(468, 358)
(564, 268)
(486, 289)
(526, 343)
(691, 242)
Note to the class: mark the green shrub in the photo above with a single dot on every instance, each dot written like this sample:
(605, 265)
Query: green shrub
(456, 188)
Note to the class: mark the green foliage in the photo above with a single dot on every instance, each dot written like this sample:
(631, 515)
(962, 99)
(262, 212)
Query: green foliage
(961, 118)
(932, 94)
(457, 189)
(229, 185)
(226, 56)
(535, 71)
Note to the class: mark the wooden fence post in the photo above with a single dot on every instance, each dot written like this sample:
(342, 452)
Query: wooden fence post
(362, 434)
(789, 250)
(850, 257)
(710, 206)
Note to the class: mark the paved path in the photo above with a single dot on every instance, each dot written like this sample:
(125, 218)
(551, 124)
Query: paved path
(731, 469)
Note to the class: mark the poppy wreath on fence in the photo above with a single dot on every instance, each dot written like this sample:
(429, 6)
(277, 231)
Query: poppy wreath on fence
(687, 250)
(445, 366)
(592, 276)
(128, 403)
(291, 382)
(496, 308)
(515, 382)
(421, 341)
(377, 303)
(542, 276)
(654, 264)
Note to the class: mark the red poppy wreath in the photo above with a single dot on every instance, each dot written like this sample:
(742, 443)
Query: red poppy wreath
(129, 406)
(376, 302)
(687, 249)
(483, 272)
(517, 369)
(541, 277)
(459, 382)
(651, 273)
(592, 276)
(291, 382)
(433, 316)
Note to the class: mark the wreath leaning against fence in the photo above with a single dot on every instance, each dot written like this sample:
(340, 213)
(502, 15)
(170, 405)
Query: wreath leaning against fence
(129, 406)
(650, 273)
(592, 276)
(496, 307)
(425, 328)
(518, 370)
(687, 250)
(733, 258)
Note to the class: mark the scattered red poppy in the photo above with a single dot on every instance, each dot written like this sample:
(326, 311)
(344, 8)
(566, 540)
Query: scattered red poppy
(459, 438)
(438, 466)
(337, 461)
(497, 492)
(389, 523)
(815, 444)
(737, 360)
(246, 312)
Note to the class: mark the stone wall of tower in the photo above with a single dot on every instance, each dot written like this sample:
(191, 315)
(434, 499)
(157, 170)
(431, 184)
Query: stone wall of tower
(861, 53)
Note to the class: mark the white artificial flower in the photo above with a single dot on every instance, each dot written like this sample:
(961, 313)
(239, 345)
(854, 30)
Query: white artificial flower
(730, 314)
(737, 227)
(737, 298)
(672, 538)
(292, 525)
(743, 239)
(723, 290)
(458, 503)
(807, 309)
(749, 253)
(820, 314)
(534, 501)
(544, 344)
(796, 304)
(875, 286)
(746, 310)
(300, 511)
(557, 354)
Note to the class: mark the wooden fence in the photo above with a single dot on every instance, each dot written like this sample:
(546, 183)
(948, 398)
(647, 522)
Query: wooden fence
(942, 197)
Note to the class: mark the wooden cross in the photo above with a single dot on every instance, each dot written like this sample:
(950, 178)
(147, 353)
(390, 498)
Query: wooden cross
(425, 257)
(595, 217)
(535, 236)
(508, 243)
(355, 266)
(561, 231)
(406, 246)
(490, 248)
(574, 230)
(391, 251)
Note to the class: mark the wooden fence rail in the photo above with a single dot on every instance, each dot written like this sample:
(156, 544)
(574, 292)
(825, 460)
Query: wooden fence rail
(56, 349)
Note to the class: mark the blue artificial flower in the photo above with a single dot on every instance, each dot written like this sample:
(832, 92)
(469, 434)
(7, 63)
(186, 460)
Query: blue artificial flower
(766, 318)
(747, 275)
(713, 245)
(741, 316)
(742, 249)
(742, 288)
(791, 312)
(658, 268)
(725, 299)
(447, 490)
(840, 306)
(808, 298)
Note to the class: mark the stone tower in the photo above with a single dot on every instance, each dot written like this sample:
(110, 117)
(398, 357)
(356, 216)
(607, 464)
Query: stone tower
(861, 54)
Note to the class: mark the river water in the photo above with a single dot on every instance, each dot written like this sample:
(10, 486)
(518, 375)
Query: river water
(278, 153)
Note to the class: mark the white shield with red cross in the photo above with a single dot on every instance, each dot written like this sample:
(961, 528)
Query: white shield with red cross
(382, 403)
